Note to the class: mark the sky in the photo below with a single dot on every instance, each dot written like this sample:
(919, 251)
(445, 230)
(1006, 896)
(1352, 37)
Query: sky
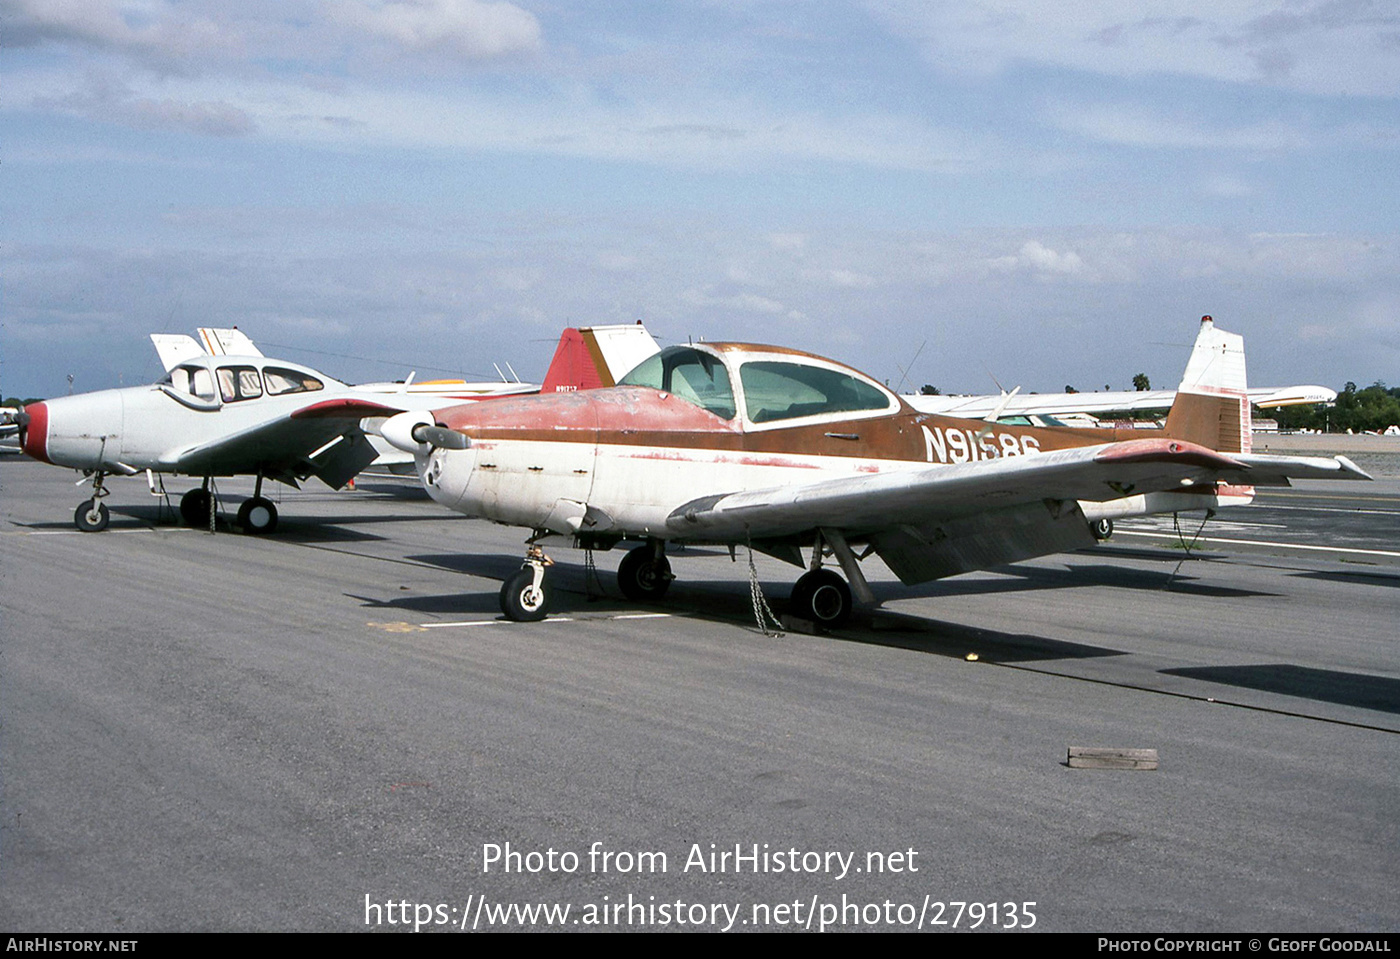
(961, 194)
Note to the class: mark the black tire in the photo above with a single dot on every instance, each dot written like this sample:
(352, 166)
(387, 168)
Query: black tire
(1102, 529)
(520, 601)
(642, 577)
(821, 597)
(257, 516)
(194, 507)
(91, 516)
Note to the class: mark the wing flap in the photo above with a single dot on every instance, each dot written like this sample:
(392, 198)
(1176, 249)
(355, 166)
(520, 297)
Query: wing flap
(917, 554)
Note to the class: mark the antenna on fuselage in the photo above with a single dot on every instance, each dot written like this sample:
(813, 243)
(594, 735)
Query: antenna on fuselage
(904, 373)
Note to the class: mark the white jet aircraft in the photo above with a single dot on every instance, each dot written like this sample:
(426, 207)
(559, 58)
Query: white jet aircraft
(733, 444)
(224, 414)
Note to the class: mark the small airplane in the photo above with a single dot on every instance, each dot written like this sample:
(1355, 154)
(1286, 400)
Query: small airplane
(221, 413)
(733, 444)
(1111, 401)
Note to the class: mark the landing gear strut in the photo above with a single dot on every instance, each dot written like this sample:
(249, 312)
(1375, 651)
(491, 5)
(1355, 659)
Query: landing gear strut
(820, 595)
(644, 574)
(525, 596)
(92, 515)
(257, 516)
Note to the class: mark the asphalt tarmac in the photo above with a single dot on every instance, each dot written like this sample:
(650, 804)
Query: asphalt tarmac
(333, 729)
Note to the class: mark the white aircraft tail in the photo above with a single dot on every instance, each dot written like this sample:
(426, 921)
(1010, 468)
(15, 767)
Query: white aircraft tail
(227, 342)
(1212, 406)
(174, 348)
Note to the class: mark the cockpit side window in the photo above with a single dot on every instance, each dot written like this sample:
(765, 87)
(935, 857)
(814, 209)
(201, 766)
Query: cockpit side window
(239, 383)
(280, 380)
(194, 380)
(693, 376)
(776, 390)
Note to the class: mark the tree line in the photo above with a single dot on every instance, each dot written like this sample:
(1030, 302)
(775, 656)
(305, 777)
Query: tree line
(1370, 409)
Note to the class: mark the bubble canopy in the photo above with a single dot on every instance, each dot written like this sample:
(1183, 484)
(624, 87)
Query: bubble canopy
(765, 384)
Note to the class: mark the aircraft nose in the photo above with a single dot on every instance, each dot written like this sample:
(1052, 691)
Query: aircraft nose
(34, 431)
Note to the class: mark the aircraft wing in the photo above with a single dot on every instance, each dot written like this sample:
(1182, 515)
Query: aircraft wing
(322, 439)
(941, 520)
(1054, 404)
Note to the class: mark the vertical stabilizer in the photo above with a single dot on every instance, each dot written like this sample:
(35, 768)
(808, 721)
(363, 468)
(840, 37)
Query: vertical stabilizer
(227, 342)
(596, 356)
(1212, 405)
(174, 348)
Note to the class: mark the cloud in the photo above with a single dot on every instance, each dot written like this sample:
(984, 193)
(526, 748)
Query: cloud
(1040, 259)
(1322, 46)
(154, 33)
(471, 29)
(110, 102)
(1147, 127)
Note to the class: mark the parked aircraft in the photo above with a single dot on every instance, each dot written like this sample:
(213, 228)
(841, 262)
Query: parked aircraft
(223, 414)
(733, 444)
(1113, 401)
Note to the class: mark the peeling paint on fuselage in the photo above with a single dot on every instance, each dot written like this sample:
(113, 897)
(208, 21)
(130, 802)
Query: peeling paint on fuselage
(636, 453)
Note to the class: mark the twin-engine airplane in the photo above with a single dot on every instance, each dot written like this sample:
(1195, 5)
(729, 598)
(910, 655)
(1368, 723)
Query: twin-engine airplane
(731, 444)
(218, 413)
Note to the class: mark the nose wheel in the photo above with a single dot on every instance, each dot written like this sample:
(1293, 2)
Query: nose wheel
(92, 515)
(525, 596)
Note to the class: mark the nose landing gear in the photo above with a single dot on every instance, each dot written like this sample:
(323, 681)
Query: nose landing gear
(525, 595)
(92, 515)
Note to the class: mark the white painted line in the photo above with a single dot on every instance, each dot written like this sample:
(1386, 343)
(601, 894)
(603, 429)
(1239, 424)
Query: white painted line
(106, 532)
(1332, 509)
(1256, 542)
(478, 622)
(642, 616)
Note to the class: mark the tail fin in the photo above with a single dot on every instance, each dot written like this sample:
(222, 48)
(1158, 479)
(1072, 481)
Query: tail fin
(227, 342)
(174, 348)
(597, 356)
(1212, 405)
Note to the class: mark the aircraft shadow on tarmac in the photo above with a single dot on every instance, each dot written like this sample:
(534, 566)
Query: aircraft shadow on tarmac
(294, 529)
(1380, 693)
(1022, 578)
(1352, 579)
(728, 601)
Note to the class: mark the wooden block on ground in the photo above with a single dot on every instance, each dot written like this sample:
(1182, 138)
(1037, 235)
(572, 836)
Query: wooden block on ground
(1099, 757)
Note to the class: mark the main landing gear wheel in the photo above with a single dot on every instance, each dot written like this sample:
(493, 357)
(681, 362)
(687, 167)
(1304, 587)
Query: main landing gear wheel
(822, 597)
(523, 601)
(91, 516)
(257, 516)
(194, 507)
(1102, 529)
(643, 576)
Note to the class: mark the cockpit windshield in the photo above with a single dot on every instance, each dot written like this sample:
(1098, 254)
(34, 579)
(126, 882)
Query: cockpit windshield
(690, 374)
(779, 390)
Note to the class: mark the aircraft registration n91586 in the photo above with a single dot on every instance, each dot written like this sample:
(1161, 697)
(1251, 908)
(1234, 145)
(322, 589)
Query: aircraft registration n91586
(730, 443)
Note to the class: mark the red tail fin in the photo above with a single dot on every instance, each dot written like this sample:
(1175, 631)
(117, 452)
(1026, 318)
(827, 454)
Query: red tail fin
(573, 367)
(596, 356)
